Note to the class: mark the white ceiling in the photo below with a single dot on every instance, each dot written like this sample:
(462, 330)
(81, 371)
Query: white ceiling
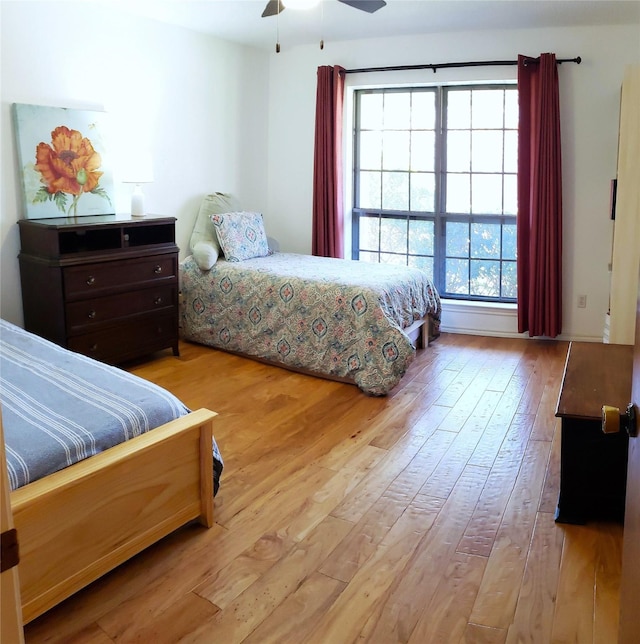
(240, 20)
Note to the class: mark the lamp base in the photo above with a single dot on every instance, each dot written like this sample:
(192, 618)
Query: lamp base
(137, 202)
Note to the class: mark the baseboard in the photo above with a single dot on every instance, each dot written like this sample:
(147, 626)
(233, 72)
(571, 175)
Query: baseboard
(494, 320)
(479, 318)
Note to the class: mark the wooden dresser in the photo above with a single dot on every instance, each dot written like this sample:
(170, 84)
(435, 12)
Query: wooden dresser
(105, 286)
(593, 465)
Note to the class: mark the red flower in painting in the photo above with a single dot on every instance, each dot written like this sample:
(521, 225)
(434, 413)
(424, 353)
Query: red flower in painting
(69, 164)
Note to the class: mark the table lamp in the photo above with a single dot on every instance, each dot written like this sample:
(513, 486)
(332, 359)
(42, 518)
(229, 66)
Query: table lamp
(140, 172)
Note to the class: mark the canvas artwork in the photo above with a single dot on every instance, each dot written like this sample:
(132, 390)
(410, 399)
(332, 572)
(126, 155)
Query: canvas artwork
(64, 161)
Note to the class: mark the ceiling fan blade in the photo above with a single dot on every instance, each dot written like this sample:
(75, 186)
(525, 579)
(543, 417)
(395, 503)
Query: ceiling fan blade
(370, 6)
(273, 8)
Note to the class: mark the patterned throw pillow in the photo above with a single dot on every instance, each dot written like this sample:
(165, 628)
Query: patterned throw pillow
(241, 235)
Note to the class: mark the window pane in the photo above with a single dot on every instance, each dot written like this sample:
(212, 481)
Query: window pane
(486, 194)
(393, 236)
(369, 232)
(397, 260)
(421, 237)
(423, 187)
(511, 109)
(423, 150)
(458, 151)
(370, 190)
(423, 263)
(458, 193)
(397, 111)
(398, 173)
(485, 278)
(509, 280)
(459, 109)
(371, 111)
(509, 241)
(510, 194)
(423, 110)
(395, 191)
(457, 239)
(457, 276)
(486, 108)
(510, 151)
(486, 151)
(395, 151)
(369, 257)
(485, 240)
(370, 151)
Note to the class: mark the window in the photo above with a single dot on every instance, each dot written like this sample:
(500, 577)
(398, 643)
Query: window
(435, 185)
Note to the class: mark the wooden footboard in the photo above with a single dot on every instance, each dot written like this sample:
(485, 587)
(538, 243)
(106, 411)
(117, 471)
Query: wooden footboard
(79, 523)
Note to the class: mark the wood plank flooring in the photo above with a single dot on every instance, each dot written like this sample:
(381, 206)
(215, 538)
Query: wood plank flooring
(425, 516)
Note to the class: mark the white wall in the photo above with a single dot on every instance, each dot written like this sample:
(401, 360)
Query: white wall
(199, 101)
(225, 117)
(590, 95)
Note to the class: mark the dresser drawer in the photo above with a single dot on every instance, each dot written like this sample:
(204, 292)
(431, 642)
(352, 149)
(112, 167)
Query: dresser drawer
(129, 339)
(83, 314)
(96, 279)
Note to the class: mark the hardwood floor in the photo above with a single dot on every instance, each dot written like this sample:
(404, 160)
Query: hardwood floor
(425, 516)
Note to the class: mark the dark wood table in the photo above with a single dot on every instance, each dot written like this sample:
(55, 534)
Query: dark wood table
(593, 465)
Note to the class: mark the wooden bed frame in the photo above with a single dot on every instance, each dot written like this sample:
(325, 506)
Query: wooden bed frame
(420, 333)
(81, 522)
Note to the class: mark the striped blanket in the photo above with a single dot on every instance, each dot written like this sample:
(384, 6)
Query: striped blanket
(59, 407)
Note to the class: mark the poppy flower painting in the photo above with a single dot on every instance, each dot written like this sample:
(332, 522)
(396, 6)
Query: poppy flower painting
(63, 159)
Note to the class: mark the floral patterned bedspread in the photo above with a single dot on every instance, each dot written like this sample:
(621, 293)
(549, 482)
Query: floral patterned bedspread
(330, 316)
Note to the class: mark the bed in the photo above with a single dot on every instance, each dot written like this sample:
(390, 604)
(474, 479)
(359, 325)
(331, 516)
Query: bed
(340, 319)
(83, 502)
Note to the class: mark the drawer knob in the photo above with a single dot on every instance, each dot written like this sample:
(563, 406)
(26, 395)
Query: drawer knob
(158, 269)
(91, 280)
(158, 300)
(91, 315)
(93, 348)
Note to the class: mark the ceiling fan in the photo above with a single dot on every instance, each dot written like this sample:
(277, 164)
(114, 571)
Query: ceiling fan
(274, 7)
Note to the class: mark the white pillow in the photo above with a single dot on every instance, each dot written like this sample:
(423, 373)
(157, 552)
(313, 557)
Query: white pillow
(203, 244)
(205, 254)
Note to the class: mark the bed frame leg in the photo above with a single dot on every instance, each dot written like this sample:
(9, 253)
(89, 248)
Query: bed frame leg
(424, 335)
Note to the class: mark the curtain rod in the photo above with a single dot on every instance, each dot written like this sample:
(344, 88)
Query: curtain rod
(437, 66)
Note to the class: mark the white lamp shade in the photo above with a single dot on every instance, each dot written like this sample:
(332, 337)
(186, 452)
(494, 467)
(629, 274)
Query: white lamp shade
(137, 168)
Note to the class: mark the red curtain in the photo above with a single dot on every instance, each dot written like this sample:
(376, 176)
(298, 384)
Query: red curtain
(539, 198)
(328, 220)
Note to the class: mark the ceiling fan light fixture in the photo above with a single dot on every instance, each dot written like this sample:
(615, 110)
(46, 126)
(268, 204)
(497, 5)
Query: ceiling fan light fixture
(300, 4)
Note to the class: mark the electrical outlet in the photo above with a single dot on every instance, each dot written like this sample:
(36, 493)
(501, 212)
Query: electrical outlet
(582, 301)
